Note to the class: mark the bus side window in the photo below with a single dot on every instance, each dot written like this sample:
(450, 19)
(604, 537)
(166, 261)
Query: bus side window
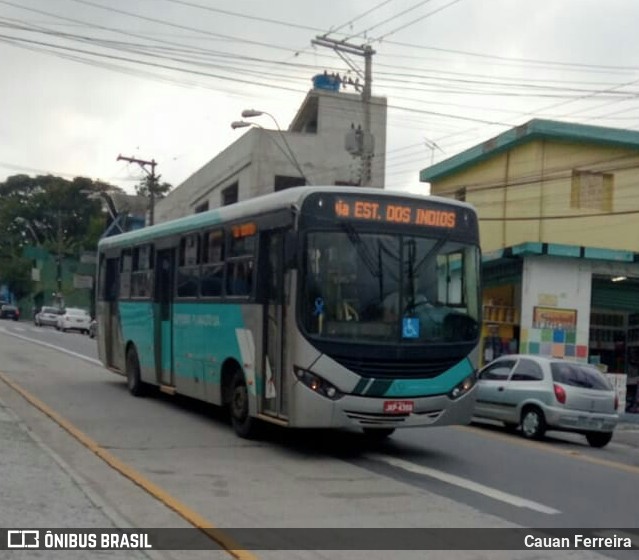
(142, 273)
(241, 252)
(212, 279)
(126, 263)
(188, 277)
(239, 278)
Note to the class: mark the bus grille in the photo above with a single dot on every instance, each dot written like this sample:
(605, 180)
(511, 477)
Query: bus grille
(373, 419)
(365, 419)
(394, 369)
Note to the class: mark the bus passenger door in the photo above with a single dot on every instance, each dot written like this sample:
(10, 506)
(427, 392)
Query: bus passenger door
(163, 316)
(109, 330)
(273, 360)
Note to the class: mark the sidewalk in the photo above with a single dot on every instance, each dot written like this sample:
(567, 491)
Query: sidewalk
(629, 418)
(39, 490)
(627, 432)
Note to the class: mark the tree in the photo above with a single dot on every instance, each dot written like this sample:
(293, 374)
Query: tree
(160, 190)
(16, 274)
(48, 211)
(59, 215)
(51, 211)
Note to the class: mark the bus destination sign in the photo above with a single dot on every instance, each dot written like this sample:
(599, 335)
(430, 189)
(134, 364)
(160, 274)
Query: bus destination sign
(392, 212)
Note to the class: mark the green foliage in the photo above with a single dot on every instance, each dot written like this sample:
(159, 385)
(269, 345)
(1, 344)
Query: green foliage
(160, 190)
(52, 212)
(16, 274)
(64, 217)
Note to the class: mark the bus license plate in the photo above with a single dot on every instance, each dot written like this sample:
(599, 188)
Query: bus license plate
(398, 407)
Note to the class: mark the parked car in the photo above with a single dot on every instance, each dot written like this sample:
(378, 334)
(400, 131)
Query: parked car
(47, 317)
(93, 328)
(540, 393)
(9, 312)
(74, 318)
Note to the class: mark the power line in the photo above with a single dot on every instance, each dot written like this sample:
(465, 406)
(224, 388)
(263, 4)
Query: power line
(413, 22)
(561, 217)
(183, 27)
(145, 63)
(287, 24)
(391, 18)
(129, 47)
(419, 89)
(357, 18)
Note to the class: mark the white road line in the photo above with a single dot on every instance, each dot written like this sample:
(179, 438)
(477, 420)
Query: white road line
(53, 346)
(465, 483)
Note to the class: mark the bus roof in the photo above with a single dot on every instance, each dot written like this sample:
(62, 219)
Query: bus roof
(287, 198)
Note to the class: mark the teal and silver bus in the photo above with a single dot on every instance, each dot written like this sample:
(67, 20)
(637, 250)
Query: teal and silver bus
(312, 307)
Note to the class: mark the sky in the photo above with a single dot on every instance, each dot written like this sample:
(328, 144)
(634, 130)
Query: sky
(84, 81)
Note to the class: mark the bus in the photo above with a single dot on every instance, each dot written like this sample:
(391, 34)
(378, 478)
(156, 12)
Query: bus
(311, 307)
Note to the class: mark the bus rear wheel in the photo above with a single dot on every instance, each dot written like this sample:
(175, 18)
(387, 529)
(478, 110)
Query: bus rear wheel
(135, 384)
(243, 424)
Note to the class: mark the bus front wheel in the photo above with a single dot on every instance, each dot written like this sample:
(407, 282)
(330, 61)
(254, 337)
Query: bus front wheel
(243, 424)
(378, 434)
(135, 384)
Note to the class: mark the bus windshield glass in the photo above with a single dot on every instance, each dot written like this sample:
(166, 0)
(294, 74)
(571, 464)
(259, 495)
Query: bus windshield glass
(389, 287)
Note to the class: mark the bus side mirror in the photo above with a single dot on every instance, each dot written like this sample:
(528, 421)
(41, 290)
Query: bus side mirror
(290, 249)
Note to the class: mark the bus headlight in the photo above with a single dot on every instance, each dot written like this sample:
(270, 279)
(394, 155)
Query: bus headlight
(463, 387)
(317, 384)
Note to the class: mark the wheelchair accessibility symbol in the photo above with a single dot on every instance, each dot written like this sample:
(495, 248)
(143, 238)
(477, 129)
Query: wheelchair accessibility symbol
(410, 327)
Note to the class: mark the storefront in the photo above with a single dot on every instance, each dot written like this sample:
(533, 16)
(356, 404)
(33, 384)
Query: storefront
(570, 302)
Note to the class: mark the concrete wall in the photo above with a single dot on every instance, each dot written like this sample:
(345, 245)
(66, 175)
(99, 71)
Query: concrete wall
(206, 184)
(512, 190)
(260, 154)
(556, 284)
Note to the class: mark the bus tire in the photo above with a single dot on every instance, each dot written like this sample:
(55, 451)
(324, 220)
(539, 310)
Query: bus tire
(378, 434)
(135, 384)
(243, 424)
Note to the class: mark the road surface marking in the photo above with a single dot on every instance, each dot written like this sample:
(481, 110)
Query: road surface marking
(194, 518)
(466, 484)
(53, 346)
(632, 469)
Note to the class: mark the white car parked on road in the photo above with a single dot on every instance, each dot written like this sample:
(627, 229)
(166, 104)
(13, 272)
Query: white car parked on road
(74, 319)
(47, 317)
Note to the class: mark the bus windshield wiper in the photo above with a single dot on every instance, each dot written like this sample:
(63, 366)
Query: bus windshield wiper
(362, 250)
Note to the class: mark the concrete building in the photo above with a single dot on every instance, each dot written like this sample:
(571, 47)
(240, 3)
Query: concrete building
(311, 151)
(558, 206)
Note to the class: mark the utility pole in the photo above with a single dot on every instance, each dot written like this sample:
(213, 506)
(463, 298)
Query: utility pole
(59, 258)
(152, 181)
(342, 48)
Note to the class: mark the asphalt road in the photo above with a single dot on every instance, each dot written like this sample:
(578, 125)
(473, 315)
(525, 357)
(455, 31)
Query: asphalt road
(448, 477)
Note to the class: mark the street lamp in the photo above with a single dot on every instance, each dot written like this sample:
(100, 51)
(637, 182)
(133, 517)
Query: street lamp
(290, 155)
(242, 124)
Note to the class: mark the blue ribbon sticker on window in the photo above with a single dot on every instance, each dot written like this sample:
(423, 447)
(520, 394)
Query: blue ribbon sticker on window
(410, 327)
(319, 307)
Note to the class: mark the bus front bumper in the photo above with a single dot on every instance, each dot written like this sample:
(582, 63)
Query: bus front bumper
(365, 412)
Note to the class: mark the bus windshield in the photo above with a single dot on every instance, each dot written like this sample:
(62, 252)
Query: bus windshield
(389, 287)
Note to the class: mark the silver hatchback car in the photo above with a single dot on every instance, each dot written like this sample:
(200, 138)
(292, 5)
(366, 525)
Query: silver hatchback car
(540, 393)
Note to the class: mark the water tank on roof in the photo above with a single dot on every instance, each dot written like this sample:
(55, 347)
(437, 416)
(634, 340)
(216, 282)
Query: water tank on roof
(326, 81)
